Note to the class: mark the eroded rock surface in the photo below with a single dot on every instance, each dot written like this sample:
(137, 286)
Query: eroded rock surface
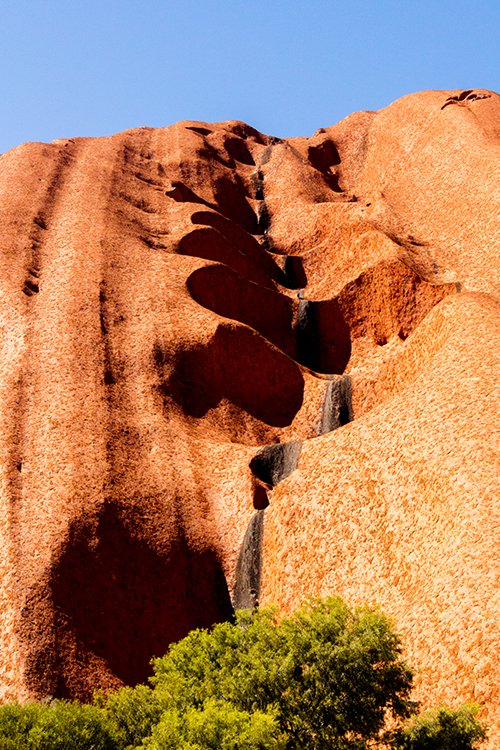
(232, 362)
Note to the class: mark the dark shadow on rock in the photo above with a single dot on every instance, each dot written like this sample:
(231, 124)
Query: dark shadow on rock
(242, 130)
(238, 150)
(323, 336)
(260, 496)
(209, 243)
(294, 272)
(242, 367)
(245, 243)
(117, 598)
(220, 289)
(181, 193)
(199, 130)
(323, 157)
(231, 201)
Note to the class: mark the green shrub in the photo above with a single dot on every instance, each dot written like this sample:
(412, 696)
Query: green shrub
(58, 726)
(216, 726)
(443, 729)
(326, 678)
(16, 722)
(132, 714)
(331, 675)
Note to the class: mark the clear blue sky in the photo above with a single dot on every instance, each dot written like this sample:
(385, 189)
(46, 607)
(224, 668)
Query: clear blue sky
(93, 67)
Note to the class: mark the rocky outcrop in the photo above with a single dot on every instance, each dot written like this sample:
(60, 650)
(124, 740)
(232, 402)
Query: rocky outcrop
(239, 369)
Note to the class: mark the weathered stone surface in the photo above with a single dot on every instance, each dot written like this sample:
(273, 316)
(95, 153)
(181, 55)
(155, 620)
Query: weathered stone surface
(174, 301)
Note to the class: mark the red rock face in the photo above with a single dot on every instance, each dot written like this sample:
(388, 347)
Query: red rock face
(175, 300)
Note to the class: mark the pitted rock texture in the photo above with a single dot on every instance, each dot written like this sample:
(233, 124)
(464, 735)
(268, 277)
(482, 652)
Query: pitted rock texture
(175, 301)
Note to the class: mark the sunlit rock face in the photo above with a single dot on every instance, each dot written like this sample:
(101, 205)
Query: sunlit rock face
(237, 368)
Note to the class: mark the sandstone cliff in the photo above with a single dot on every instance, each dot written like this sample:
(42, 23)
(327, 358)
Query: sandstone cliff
(174, 302)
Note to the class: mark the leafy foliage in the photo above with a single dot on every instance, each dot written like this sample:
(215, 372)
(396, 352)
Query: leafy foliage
(216, 726)
(60, 725)
(132, 713)
(443, 729)
(331, 674)
(327, 677)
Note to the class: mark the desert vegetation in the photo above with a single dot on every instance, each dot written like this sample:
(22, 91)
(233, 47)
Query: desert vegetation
(327, 676)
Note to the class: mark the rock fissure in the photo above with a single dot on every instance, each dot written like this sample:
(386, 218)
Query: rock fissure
(246, 588)
(273, 463)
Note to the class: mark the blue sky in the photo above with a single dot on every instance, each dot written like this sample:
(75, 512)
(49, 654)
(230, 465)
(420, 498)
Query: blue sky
(96, 67)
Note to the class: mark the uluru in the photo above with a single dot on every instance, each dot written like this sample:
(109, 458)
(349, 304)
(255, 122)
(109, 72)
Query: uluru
(240, 370)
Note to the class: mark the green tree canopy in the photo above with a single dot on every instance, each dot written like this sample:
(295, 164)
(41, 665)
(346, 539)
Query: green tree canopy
(328, 677)
(444, 729)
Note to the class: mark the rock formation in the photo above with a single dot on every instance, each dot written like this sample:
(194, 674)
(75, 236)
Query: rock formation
(237, 368)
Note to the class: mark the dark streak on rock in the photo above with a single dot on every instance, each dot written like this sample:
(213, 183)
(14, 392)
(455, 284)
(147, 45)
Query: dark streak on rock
(276, 462)
(308, 343)
(337, 405)
(246, 590)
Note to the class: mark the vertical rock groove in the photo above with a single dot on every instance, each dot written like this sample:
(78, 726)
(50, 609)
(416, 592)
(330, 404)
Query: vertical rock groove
(246, 590)
(276, 462)
(337, 405)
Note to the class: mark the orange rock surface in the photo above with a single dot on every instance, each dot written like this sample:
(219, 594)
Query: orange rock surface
(174, 301)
